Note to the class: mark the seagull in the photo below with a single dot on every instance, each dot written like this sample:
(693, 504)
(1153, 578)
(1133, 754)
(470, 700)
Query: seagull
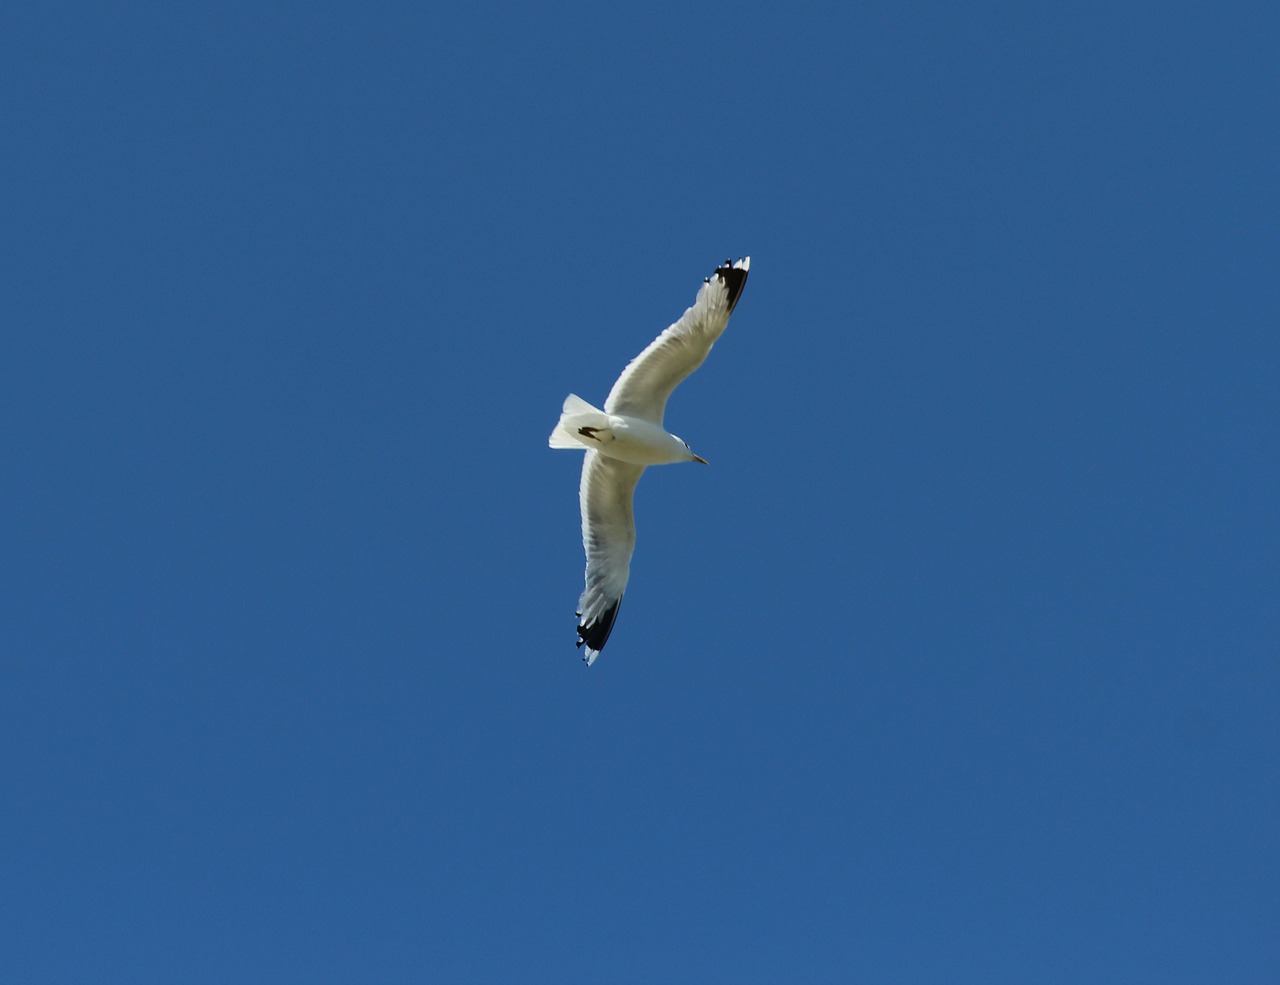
(628, 435)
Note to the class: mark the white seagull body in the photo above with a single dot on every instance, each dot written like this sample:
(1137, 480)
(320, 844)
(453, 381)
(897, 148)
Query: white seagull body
(627, 436)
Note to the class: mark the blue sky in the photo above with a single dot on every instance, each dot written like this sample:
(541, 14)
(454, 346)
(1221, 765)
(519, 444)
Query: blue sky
(959, 663)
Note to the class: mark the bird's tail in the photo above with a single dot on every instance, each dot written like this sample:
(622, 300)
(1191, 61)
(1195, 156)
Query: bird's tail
(576, 415)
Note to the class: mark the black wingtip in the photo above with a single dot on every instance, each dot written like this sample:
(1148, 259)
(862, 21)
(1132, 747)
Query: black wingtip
(734, 280)
(596, 633)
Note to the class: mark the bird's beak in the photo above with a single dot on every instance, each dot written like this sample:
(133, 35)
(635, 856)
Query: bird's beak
(699, 458)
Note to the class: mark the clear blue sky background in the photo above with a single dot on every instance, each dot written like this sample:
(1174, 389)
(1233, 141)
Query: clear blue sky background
(959, 663)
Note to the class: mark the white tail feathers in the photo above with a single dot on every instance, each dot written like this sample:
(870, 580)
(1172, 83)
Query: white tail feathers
(577, 413)
(573, 404)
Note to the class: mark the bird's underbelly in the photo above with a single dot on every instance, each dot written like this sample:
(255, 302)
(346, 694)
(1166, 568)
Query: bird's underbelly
(638, 442)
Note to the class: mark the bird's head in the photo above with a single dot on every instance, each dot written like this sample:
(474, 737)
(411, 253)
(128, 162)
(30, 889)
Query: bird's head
(692, 456)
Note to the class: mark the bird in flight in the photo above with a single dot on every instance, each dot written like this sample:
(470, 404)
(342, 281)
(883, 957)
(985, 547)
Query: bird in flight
(627, 436)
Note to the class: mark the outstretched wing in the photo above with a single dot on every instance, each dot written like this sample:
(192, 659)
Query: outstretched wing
(644, 386)
(608, 536)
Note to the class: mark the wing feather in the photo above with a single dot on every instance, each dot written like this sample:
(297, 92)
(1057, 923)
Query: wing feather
(606, 494)
(644, 386)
